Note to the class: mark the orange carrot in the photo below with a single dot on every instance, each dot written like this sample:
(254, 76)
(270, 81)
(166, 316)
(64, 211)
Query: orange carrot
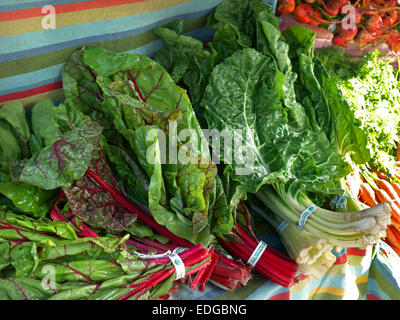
(393, 238)
(382, 196)
(367, 195)
(396, 187)
(385, 185)
(395, 223)
(398, 152)
(381, 176)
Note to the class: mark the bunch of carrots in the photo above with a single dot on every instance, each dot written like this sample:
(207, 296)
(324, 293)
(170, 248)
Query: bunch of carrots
(374, 21)
(372, 187)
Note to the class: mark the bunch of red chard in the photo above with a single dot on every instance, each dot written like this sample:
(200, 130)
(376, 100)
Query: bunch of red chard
(272, 264)
(223, 271)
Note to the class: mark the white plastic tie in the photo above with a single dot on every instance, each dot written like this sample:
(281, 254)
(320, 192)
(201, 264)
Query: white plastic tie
(304, 216)
(257, 253)
(282, 226)
(173, 256)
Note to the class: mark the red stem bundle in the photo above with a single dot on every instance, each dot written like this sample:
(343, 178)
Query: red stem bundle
(143, 217)
(232, 270)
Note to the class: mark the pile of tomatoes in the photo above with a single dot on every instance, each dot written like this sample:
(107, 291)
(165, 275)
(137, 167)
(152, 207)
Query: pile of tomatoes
(368, 23)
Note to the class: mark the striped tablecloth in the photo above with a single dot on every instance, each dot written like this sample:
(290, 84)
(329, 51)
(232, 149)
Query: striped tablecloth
(31, 59)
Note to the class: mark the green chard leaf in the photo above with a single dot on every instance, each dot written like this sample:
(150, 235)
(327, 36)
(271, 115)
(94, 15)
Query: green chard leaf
(308, 88)
(67, 159)
(43, 124)
(80, 86)
(14, 132)
(247, 93)
(186, 60)
(234, 22)
(143, 99)
(30, 199)
(10, 149)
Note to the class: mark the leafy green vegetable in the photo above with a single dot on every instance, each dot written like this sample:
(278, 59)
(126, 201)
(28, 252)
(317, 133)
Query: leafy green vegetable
(43, 124)
(42, 259)
(30, 199)
(127, 172)
(10, 149)
(67, 159)
(95, 205)
(188, 63)
(234, 24)
(322, 98)
(21, 227)
(14, 113)
(374, 98)
(139, 98)
(339, 64)
(240, 87)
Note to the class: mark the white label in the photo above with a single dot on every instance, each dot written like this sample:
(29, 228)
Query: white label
(178, 264)
(257, 253)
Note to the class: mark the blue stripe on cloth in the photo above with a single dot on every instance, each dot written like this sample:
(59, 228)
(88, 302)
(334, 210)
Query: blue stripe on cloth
(344, 281)
(20, 5)
(388, 266)
(44, 41)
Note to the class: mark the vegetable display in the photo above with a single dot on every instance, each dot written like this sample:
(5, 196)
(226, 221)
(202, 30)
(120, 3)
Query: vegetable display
(123, 192)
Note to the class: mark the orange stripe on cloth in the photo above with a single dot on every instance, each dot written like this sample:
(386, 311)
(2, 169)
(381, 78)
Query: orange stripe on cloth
(31, 92)
(63, 8)
(362, 279)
